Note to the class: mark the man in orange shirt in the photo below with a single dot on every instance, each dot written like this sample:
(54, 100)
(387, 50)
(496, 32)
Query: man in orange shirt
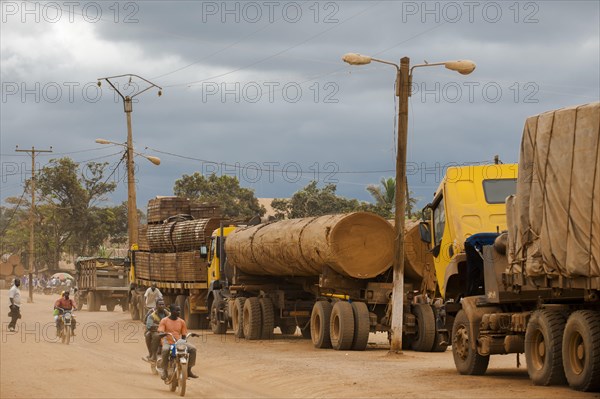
(176, 326)
(62, 304)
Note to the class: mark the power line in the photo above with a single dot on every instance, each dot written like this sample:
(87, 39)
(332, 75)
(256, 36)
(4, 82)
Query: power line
(14, 212)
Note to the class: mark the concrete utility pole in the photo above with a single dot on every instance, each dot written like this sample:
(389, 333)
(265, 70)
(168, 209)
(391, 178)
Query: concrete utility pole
(32, 217)
(403, 91)
(132, 218)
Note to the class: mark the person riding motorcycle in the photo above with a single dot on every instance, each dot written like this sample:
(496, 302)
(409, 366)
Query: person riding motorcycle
(152, 322)
(62, 304)
(176, 326)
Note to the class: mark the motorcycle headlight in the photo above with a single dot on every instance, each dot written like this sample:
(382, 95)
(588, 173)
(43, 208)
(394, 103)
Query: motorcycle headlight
(67, 316)
(181, 348)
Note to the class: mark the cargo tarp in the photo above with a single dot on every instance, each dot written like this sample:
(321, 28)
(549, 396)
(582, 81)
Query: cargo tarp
(557, 207)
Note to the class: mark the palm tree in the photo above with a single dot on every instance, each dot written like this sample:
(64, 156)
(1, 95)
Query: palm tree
(385, 195)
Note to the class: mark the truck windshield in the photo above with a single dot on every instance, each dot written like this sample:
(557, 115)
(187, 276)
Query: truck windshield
(496, 190)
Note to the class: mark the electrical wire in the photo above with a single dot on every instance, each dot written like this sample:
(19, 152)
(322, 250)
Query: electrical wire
(14, 212)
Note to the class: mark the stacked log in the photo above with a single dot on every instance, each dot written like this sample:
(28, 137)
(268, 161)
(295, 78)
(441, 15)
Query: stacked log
(161, 208)
(172, 266)
(143, 238)
(204, 210)
(180, 236)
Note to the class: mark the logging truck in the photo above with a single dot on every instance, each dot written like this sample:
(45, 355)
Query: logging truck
(327, 276)
(102, 282)
(533, 286)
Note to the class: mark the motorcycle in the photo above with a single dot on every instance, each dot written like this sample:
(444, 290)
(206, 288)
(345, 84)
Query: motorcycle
(177, 367)
(65, 322)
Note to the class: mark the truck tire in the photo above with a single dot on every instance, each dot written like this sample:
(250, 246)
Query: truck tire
(581, 350)
(252, 320)
(142, 308)
(319, 324)
(110, 305)
(543, 348)
(341, 326)
(193, 320)
(91, 301)
(237, 317)
(362, 326)
(425, 324)
(124, 304)
(268, 318)
(97, 301)
(133, 308)
(466, 359)
(218, 324)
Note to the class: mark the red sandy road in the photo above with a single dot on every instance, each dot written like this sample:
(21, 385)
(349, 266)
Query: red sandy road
(104, 361)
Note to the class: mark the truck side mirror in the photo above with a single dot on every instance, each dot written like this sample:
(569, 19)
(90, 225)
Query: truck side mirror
(425, 233)
(203, 252)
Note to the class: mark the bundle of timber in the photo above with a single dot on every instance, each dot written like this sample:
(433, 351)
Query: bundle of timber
(181, 235)
(358, 245)
(204, 210)
(170, 267)
(554, 221)
(143, 238)
(161, 208)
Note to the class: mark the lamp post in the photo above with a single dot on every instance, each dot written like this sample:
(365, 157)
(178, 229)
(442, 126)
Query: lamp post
(132, 221)
(403, 91)
(132, 224)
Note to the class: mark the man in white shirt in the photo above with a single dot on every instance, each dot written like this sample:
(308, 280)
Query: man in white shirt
(150, 296)
(14, 295)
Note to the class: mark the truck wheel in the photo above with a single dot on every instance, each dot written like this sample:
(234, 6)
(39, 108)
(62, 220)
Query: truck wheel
(543, 348)
(581, 350)
(466, 359)
(142, 308)
(362, 326)
(91, 301)
(124, 304)
(341, 326)
(98, 302)
(218, 324)
(133, 308)
(425, 325)
(192, 321)
(252, 319)
(237, 317)
(110, 305)
(268, 318)
(319, 324)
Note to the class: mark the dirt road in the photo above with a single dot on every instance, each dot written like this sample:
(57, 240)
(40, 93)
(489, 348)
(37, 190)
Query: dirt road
(105, 361)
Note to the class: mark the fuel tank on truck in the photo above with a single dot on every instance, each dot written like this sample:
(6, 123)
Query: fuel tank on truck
(359, 245)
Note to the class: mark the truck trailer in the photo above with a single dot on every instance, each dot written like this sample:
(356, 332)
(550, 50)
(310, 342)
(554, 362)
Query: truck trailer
(329, 275)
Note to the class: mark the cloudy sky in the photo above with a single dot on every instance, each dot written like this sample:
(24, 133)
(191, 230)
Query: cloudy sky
(258, 89)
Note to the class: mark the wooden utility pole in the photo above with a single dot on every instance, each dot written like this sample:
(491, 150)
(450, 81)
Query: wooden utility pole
(402, 91)
(32, 217)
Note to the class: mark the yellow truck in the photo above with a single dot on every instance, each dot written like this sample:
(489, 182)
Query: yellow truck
(330, 276)
(531, 284)
(469, 200)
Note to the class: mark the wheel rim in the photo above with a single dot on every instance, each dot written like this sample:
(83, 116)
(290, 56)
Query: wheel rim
(460, 342)
(538, 353)
(576, 352)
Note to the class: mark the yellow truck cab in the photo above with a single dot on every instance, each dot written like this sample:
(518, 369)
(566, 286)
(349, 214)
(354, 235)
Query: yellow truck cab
(468, 201)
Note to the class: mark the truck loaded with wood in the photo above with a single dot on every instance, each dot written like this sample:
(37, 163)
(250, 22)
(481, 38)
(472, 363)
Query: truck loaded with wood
(329, 276)
(534, 288)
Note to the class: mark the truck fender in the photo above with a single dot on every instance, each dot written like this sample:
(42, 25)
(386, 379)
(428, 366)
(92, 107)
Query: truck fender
(452, 269)
(475, 314)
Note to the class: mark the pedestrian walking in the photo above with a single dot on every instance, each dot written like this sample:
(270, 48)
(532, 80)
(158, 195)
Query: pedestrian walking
(14, 295)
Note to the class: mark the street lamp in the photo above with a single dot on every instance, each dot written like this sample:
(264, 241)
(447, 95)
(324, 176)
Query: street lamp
(403, 91)
(132, 221)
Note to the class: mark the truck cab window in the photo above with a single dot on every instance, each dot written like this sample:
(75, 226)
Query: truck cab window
(439, 221)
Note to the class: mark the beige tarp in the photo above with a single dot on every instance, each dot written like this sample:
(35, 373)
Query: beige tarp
(557, 208)
(358, 245)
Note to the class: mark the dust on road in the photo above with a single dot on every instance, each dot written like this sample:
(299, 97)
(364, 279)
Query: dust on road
(105, 361)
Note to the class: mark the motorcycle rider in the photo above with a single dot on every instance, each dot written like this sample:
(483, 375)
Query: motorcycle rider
(152, 322)
(176, 326)
(62, 304)
(150, 297)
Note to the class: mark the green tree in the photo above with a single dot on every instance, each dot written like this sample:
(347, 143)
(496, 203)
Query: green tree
(235, 201)
(385, 197)
(314, 201)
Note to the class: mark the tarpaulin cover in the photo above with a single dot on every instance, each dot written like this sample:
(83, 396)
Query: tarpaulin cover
(554, 222)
